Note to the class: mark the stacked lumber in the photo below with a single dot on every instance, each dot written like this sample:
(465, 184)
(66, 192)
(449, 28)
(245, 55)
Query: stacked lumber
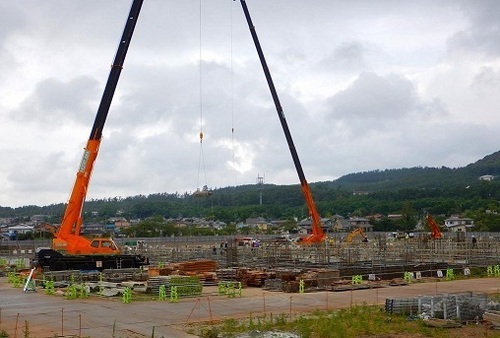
(252, 277)
(198, 266)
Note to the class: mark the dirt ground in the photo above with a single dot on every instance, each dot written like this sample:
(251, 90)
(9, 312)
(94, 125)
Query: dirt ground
(48, 316)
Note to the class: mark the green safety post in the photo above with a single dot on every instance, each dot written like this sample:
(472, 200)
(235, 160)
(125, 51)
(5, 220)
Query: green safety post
(11, 277)
(230, 292)
(450, 275)
(162, 293)
(408, 276)
(127, 295)
(301, 286)
(49, 287)
(357, 279)
(497, 270)
(174, 296)
(221, 288)
(239, 290)
(489, 271)
(83, 293)
(17, 281)
(71, 292)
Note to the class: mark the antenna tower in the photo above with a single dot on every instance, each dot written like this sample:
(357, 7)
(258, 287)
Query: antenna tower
(260, 182)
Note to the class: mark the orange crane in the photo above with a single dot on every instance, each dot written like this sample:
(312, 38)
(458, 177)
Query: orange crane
(70, 249)
(317, 235)
(435, 231)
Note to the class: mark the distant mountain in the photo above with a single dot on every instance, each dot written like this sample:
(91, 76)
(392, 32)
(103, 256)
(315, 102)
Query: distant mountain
(419, 177)
(440, 190)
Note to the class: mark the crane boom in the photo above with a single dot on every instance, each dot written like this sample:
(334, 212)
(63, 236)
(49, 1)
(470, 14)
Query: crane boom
(435, 231)
(317, 232)
(68, 237)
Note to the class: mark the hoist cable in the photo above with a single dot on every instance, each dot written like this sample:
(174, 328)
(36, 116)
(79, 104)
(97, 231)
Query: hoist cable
(201, 158)
(232, 89)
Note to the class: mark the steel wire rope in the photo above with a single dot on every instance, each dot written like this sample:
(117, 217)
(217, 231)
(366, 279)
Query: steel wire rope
(231, 80)
(201, 157)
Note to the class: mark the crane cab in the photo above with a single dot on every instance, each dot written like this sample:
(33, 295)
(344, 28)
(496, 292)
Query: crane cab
(104, 245)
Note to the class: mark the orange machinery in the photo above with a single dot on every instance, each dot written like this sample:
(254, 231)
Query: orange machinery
(70, 249)
(435, 231)
(317, 235)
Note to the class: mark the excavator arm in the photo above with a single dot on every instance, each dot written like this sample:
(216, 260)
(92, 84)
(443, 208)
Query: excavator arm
(68, 237)
(317, 235)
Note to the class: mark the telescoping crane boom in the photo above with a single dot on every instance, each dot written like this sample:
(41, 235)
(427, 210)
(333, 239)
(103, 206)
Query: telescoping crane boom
(317, 235)
(435, 231)
(68, 238)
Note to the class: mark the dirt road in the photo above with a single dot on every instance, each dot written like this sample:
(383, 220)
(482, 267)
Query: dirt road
(49, 316)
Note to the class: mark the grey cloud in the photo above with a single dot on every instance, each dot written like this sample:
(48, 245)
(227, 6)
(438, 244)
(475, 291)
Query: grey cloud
(484, 31)
(347, 57)
(56, 101)
(374, 97)
(486, 79)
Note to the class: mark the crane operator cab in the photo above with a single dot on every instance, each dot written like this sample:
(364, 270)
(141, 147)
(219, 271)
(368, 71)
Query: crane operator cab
(104, 245)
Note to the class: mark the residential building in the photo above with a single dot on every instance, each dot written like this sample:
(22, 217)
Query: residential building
(458, 224)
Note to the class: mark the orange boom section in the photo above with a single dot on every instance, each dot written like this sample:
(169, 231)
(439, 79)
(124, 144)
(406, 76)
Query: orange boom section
(68, 237)
(317, 235)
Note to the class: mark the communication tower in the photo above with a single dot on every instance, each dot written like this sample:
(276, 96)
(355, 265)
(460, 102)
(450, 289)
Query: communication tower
(260, 182)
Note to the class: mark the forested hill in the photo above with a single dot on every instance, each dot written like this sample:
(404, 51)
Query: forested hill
(441, 191)
(420, 177)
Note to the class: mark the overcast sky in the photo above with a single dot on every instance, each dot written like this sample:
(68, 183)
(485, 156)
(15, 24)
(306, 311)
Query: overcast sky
(364, 85)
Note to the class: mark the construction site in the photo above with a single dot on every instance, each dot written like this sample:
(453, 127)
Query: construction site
(381, 258)
(205, 268)
(77, 286)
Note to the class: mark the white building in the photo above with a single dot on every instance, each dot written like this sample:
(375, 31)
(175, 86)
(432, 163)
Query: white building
(458, 224)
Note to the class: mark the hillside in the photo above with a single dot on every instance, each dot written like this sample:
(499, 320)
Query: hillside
(420, 177)
(441, 191)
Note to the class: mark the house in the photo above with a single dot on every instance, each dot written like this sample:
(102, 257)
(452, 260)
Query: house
(486, 178)
(458, 224)
(305, 226)
(359, 222)
(15, 230)
(259, 223)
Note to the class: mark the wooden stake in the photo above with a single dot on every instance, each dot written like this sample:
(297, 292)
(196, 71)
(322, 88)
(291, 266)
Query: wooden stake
(210, 310)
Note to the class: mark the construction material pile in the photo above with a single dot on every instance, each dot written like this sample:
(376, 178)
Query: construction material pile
(297, 280)
(454, 306)
(204, 269)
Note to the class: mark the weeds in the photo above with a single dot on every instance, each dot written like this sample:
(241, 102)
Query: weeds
(346, 323)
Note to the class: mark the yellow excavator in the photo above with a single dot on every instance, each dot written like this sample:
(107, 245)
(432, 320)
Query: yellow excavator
(356, 232)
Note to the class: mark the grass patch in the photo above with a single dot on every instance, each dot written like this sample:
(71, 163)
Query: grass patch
(358, 321)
